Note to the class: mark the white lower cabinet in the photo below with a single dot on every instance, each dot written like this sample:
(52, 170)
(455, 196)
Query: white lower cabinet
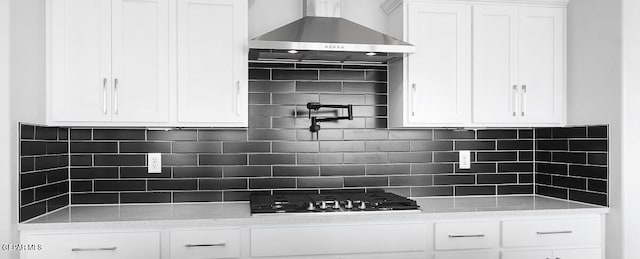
(578, 254)
(469, 255)
(551, 232)
(554, 254)
(95, 246)
(338, 239)
(577, 236)
(223, 243)
(467, 235)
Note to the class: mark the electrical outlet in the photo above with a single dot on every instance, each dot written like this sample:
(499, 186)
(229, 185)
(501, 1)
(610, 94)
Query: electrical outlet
(154, 163)
(465, 159)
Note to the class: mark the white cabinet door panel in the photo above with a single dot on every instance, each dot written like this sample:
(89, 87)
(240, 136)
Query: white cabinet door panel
(80, 52)
(472, 255)
(140, 61)
(95, 246)
(545, 254)
(439, 72)
(495, 64)
(337, 239)
(212, 62)
(209, 244)
(467, 235)
(541, 60)
(552, 232)
(577, 254)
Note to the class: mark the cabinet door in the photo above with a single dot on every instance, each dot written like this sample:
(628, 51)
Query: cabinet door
(95, 246)
(577, 254)
(474, 255)
(541, 65)
(210, 244)
(439, 72)
(212, 62)
(544, 254)
(140, 61)
(495, 64)
(80, 60)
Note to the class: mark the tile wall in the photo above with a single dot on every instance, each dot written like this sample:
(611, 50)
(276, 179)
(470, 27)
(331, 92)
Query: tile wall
(44, 174)
(571, 163)
(278, 154)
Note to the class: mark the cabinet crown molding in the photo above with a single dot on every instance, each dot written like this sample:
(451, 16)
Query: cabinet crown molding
(389, 6)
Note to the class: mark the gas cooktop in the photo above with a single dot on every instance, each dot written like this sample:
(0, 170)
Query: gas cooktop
(331, 202)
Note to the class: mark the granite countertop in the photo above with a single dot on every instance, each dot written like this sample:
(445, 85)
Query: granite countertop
(238, 213)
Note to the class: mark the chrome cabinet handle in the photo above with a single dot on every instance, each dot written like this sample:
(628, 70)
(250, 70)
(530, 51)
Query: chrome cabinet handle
(93, 249)
(115, 95)
(104, 95)
(205, 245)
(514, 98)
(465, 236)
(413, 100)
(554, 232)
(524, 100)
(238, 98)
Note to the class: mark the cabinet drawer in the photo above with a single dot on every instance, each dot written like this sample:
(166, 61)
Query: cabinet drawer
(95, 246)
(467, 235)
(476, 255)
(219, 243)
(551, 232)
(337, 239)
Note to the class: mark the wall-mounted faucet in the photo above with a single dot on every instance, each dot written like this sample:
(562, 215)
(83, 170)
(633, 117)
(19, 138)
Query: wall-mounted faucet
(315, 106)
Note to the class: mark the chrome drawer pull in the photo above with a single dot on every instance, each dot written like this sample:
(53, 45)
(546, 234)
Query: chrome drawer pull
(205, 245)
(115, 96)
(514, 99)
(104, 95)
(238, 98)
(93, 249)
(463, 236)
(555, 232)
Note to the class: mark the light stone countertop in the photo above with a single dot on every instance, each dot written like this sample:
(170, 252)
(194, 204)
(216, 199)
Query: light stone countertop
(238, 213)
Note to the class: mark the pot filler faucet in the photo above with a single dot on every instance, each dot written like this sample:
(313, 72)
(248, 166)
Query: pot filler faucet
(315, 127)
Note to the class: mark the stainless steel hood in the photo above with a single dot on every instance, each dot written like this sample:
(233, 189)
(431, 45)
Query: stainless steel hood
(322, 29)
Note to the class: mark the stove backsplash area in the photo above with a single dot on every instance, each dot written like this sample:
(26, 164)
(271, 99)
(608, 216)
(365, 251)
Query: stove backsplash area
(278, 153)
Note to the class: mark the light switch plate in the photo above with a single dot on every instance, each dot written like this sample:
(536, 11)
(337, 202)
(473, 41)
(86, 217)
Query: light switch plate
(154, 163)
(465, 159)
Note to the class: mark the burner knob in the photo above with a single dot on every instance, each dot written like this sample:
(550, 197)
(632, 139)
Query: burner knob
(336, 205)
(362, 205)
(311, 206)
(349, 205)
(323, 205)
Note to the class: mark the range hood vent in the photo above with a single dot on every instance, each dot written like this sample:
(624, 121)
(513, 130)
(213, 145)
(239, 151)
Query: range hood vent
(322, 30)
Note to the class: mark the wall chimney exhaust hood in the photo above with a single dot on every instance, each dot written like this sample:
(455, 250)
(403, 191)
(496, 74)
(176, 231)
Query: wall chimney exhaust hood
(322, 31)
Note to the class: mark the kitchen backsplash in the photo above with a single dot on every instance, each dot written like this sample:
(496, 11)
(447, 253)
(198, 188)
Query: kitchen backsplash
(44, 170)
(278, 153)
(571, 163)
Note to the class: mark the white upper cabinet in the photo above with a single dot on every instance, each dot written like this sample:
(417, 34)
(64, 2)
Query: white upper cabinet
(541, 59)
(432, 86)
(147, 63)
(212, 62)
(140, 57)
(495, 55)
(478, 64)
(438, 89)
(80, 55)
(519, 65)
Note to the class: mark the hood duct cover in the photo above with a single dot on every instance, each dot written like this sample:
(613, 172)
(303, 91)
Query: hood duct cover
(321, 29)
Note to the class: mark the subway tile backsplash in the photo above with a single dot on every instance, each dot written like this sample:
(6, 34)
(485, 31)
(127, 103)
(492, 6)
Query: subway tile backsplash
(571, 163)
(278, 154)
(44, 170)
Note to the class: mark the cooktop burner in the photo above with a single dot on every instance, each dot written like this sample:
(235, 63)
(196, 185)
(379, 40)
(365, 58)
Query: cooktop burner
(335, 202)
